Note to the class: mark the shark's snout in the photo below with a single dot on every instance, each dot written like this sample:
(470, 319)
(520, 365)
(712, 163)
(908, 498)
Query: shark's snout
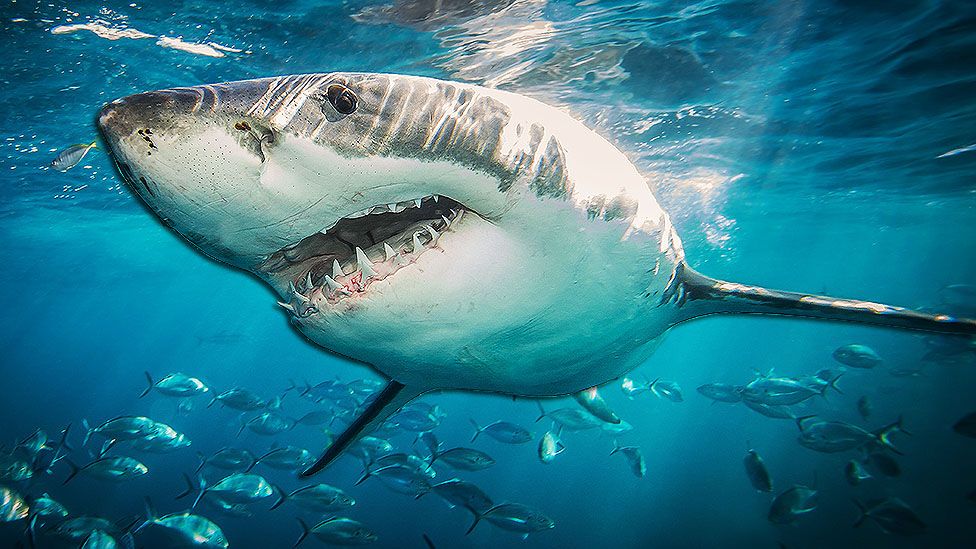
(123, 117)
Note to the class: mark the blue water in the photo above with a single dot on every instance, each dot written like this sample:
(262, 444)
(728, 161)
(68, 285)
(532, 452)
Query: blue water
(796, 145)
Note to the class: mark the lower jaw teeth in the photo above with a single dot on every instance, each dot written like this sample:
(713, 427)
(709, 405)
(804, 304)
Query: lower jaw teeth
(326, 284)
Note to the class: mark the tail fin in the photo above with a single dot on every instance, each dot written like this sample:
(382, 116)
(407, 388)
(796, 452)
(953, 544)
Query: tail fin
(31, 531)
(62, 445)
(203, 490)
(653, 387)
(832, 385)
(477, 519)
(698, 295)
(885, 432)
(106, 447)
(477, 429)
(616, 447)
(74, 471)
(282, 496)
(88, 431)
(150, 515)
(256, 460)
(190, 488)
(863, 513)
(305, 532)
(365, 476)
(203, 461)
(799, 420)
(213, 400)
(542, 414)
(150, 387)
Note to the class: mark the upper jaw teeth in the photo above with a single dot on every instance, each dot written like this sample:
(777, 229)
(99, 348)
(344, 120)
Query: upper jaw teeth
(309, 293)
(395, 207)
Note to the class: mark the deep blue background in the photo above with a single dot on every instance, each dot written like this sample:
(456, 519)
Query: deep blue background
(795, 144)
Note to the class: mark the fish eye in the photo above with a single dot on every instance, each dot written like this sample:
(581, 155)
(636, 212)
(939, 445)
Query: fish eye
(342, 99)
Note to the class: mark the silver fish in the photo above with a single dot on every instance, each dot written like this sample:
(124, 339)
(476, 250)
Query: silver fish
(503, 431)
(550, 446)
(634, 458)
(12, 505)
(893, 515)
(72, 156)
(795, 501)
(338, 531)
(756, 470)
(317, 497)
(669, 390)
(857, 356)
(515, 517)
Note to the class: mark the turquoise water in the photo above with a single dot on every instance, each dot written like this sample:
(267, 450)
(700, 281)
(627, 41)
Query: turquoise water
(796, 146)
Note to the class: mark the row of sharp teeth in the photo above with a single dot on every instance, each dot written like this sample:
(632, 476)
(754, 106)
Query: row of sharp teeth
(394, 207)
(302, 303)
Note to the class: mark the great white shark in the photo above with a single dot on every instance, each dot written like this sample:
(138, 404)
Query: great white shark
(450, 235)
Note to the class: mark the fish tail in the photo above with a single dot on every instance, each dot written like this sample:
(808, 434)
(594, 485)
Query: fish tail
(149, 388)
(88, 431)
(203, 461)
(365, 476)
(542, 411)
(833, 385)
(653, 387)
(282, 496)
(62, 444)
(427, 540)
(190, 488)
(256, 460)
(799, 420)
(862, 513)
(74, 470)
(883, 435)
(212, 401)
(305, 532)
(697, 295)
(477, 519)
(150, 514)
(616, 447)
(203, 491)
(477, 429)
(31, 531)
(106, 447)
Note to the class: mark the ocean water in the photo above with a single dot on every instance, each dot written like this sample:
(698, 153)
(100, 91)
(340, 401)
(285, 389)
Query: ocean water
(812, 146)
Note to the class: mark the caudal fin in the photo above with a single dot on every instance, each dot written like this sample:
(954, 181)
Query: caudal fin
(477, 429)
(477, 519)
(863, 513)
(74, 471)
(386, 403)
(150, 387)
(884, 434)
(698, 295)
(305, 532)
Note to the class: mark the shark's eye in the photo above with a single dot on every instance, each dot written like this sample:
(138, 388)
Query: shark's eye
(342, 98)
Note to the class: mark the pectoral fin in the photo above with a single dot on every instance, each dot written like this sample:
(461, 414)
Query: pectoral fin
(385, 404)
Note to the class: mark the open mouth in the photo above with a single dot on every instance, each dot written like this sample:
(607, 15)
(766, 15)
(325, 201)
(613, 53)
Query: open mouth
(362, 248)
